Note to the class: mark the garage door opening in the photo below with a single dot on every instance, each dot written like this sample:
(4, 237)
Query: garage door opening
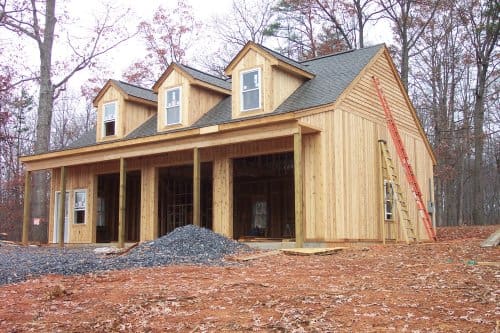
(264, 197)
(175, 197)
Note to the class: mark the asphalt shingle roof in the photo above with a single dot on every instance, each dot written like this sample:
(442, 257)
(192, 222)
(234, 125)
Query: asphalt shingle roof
(208, 78)
(136, 91)
(333, 74)
(286, 59)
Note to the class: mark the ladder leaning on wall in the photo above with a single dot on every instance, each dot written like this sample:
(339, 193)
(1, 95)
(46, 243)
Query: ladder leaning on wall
(410, 175)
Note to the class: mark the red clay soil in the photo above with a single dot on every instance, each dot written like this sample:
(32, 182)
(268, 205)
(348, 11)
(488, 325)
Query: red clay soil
(448, 286)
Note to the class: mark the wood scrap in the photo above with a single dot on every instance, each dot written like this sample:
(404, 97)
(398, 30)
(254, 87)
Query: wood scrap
(256, 256)
(305, 251)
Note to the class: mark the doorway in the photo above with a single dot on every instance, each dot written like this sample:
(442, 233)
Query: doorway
(263, 194)
(107, 207)
(175, 197)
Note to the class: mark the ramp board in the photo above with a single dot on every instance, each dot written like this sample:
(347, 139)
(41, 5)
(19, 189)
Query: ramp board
(305, 251)
(493, 240)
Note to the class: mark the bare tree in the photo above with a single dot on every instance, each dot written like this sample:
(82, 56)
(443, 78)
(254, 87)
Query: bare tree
(482, 21)
(37, 21)
(409, 20)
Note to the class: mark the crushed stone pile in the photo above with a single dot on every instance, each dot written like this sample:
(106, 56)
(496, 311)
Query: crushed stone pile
(190, 245)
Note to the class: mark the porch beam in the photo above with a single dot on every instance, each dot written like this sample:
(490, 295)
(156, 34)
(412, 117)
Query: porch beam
(121, 203)
(196, 187)
(62, 207)
(297, 171)
(27, 205)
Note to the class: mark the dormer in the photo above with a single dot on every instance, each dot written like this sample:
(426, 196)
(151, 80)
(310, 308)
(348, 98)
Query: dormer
(185, 94)
(262, 79)
(121, 108)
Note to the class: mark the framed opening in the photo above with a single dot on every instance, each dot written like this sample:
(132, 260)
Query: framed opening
(264, 197)
(175, 197)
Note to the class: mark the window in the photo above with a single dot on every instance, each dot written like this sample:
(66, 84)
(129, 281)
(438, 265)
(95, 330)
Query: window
(250, 90)
(79, 207)
(173, 106)
(388, 200)
(109, 119)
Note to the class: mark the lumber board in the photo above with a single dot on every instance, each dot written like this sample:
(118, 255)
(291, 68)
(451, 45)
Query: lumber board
(306, 251)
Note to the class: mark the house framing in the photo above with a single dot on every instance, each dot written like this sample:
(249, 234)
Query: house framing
(283, 150)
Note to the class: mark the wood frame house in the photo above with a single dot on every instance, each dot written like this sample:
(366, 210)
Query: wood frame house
(282, 150)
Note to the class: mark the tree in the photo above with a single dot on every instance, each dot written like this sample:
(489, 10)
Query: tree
(482, 19)
(36, 20)
(167, 37)
(409, 20)
(246, 21)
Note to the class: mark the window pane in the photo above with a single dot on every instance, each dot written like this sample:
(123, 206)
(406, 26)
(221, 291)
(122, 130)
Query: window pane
(109, 111)
(250, 80)
(80, 198)
(80, 217)
(173, 98)
(251, 99)
(173, 115)
(109, 128)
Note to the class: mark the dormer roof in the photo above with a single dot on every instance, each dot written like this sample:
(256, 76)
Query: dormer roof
(279, 60)
(129, 92)
(196, 77)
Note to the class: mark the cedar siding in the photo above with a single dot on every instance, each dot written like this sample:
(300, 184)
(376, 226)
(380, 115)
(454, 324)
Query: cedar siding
(318, 128)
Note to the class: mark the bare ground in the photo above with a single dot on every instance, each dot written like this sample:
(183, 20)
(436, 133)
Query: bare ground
(448, 286)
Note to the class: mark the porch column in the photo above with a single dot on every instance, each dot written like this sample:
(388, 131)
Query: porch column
(196, 187)
(149, 203)
(62, 206)
(121, 203)
(297, 171)
(27, 203)
(223, 196)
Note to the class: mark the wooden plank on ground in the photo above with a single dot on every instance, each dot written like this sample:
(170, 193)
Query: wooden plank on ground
(493, 240)
(304, 251)
(256, 256)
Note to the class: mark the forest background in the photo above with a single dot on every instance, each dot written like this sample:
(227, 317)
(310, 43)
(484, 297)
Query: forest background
(56, 55)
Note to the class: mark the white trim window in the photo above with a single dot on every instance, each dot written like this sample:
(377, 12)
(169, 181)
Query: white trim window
(173, 106)
(388, 200)
(109, 119)
(250, 89)
(80, 206)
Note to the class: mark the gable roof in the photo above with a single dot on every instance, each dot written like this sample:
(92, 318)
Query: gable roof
(332, 75)
(279, 60)
(129, 91)
(136, 91)
(205, 77)
(196, 77)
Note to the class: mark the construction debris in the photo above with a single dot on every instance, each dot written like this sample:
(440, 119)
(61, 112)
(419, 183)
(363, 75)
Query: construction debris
(305, 251)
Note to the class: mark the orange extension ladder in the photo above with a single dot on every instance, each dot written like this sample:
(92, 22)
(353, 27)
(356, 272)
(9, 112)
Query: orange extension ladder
(403, 157)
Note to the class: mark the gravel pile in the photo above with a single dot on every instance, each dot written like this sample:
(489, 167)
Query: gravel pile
(185, 245)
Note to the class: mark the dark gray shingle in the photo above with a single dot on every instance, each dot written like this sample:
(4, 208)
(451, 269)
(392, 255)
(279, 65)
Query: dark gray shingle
(136, 91)
(287, 60)
(208, 78)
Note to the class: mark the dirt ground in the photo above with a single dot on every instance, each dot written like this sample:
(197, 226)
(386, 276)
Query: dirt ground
(449, 286)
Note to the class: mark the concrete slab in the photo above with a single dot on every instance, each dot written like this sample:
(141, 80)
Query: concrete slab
(493, 240)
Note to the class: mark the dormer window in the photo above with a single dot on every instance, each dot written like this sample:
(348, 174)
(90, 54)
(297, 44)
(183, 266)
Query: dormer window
(109, 119)
(173, 106)
(250, 90)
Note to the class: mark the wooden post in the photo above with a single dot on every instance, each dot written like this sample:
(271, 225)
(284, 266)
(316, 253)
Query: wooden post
(121, 203)
(297, 170)
(27, 203)
(381, 184)
(62, 206)
(196, 187)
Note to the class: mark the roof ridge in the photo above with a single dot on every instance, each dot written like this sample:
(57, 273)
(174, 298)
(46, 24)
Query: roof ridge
(273, 51)
(202, 72)
(341, 52)
(133, 85)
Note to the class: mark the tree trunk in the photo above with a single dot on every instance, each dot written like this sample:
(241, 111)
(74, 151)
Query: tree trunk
(39, 207)
(477, 188)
